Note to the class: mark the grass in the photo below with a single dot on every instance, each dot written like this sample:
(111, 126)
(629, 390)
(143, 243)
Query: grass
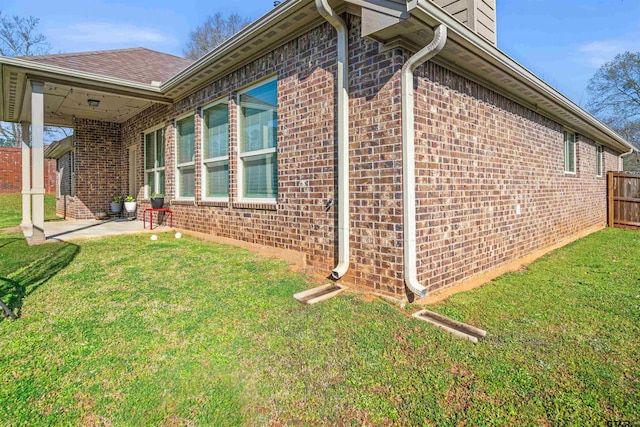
(11, 213)
(128, 331)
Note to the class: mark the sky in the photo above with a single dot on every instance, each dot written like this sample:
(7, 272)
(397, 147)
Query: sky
(564, 42)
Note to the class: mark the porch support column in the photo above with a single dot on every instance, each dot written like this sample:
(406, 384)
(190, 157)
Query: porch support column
(37, 148)
(26, 177)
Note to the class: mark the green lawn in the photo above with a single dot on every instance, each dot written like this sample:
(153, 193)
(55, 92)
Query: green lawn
(11, 209)
(128, 331)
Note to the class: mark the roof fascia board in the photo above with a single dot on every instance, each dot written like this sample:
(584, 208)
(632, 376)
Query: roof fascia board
(58, 148)
(50, 73)
(97, 87)
(236, 66)
(246, 34)
(432, 14)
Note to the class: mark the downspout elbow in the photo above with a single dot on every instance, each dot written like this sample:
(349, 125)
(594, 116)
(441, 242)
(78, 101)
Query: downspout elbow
(342, 135)
(340, 270)
(620, 161)
(408, 158)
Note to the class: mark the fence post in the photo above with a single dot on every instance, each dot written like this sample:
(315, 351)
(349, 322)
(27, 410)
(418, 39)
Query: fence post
(610, 198)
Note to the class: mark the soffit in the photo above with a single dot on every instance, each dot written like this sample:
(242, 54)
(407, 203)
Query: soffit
(63, 103)
(284, 23)
(66, 93)
(495, 71)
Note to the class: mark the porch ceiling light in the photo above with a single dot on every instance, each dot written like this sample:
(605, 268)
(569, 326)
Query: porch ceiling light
(93, 102)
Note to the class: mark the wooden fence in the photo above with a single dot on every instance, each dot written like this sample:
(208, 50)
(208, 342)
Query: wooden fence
(623, 200)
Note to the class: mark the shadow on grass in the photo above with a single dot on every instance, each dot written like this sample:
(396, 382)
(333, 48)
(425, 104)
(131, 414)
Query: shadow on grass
(5, 242)
(29, 276)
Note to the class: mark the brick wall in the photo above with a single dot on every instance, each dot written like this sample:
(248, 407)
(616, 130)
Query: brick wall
(479, 156)
(306, 158)
(11, 172)
(375, 164)
(100, 170)
(306, 153)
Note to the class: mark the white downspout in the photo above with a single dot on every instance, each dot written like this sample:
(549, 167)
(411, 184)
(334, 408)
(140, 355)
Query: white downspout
(343, 137)
(621, 162)
(408, 158)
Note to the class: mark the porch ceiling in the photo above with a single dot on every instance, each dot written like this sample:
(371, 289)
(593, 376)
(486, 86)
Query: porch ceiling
(64, 102)
(66, 94)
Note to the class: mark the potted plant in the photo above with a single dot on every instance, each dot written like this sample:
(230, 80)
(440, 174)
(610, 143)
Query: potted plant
(116, 204)
(130, 203)
(157, 200)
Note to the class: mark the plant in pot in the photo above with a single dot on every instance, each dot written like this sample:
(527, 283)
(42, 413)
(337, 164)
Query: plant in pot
(130, 203)
(116, 204)
(157, 200)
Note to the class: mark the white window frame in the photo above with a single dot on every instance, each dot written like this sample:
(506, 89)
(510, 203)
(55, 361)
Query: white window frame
(211, 160)
(567, 142)
(242, 156)
(599, 160)
(156, 170)
(192, 163)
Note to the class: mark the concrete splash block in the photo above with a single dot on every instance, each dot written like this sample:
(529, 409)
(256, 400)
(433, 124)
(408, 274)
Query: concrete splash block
(320, 293)
(452, 326)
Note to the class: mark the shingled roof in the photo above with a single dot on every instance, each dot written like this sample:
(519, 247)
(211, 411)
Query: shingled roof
(136, 64)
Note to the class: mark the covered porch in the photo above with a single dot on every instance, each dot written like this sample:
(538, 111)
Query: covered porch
(36, 94)
(63, 231)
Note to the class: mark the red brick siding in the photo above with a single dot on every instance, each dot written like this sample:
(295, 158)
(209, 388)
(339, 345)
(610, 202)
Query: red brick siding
(101, 168)
(11, 172)
(479, 156)
(305, 153)
(375, 165)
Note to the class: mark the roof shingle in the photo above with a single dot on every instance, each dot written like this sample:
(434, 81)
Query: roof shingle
(136, 64)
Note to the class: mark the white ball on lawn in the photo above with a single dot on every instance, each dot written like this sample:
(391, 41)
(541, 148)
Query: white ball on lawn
(178, 235)
(154, 237)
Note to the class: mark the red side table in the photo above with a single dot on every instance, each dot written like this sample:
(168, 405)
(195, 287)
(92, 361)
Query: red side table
(151, 211)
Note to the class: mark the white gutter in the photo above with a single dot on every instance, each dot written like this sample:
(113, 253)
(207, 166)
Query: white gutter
(38, 69)
(621, 162)
(233, 44)
(343, 137)
(408, 158)
(429, 12)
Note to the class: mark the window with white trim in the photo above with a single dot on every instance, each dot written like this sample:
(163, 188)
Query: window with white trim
(185, 158)
(154, 162)
(599, 160)
(258, 122)
(215, 152)
(569, 152)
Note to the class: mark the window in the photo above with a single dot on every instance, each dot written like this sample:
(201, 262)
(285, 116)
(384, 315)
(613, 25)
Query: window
(72, 162)
(257, 166)
(569, 152)
(154, 162)
(185, 154)
(599, 160)
(215, 151)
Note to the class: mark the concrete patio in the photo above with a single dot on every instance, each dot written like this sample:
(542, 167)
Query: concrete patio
(65, 230)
